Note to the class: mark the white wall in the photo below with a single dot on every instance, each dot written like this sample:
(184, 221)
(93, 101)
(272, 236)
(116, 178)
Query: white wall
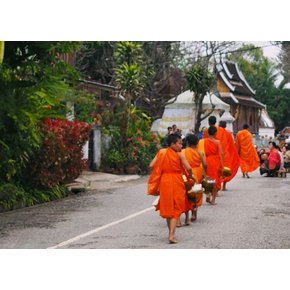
(267, 132)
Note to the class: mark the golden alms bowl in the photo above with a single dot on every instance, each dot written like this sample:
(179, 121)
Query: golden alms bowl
(227, 171)
(208, 184)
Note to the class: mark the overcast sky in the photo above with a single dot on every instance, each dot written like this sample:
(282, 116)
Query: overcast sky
(270, 50)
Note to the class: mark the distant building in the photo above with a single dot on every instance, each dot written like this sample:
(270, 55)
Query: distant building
(266, 125)
(234, 90)
(181, 111)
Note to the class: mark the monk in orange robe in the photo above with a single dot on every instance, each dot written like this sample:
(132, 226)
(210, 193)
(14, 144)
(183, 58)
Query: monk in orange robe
(249, 159)
(198, 165)
(231, 157)
(211, 122)
(214, 159)
(166, 176)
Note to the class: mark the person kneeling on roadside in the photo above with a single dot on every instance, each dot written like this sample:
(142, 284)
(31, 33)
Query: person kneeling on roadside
(272, 161)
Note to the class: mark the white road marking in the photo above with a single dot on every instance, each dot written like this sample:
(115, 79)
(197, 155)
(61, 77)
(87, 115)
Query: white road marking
(96, 230)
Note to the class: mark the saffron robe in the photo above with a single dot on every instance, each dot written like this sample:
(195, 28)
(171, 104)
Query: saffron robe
(194, 160)
(170, 183)
(249, 159)
(231, 157)
(205, 133)
(213, 160)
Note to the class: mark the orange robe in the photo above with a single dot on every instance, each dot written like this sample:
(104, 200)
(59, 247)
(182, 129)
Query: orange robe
(213, 160)
(205, 133)
(171, 185)
(249, 159)
(194, 160)
(231, 157)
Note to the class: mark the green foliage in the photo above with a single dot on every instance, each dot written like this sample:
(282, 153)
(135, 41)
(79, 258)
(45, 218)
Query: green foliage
(84, 107)
(9, 195)
(128, 52)
(261, 74)
(199, 80)
(138, 121)
(114, 156)
(141, 145)
(141, 149)
(37, 195)
(18, 130)
(95, 61)
(129, 71)
(164, 79)
(129, 78)
(32, 81)
(13, 196)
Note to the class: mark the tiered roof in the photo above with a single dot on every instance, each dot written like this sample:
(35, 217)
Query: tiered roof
(240, 92)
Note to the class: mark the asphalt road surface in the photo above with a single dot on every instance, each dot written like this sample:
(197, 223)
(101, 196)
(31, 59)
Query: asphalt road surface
(253, 213)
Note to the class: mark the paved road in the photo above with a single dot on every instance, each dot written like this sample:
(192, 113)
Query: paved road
(253, 214)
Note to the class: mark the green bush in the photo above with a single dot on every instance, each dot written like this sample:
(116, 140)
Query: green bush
(141, 145)
(13, 196)
(10, 195)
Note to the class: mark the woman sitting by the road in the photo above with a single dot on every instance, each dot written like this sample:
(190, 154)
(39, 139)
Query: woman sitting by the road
(272, 162)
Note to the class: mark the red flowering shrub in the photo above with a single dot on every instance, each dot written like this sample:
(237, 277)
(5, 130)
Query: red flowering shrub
(60, 158)
(141, 149)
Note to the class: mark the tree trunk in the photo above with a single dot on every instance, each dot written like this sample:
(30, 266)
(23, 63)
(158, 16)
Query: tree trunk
(198, 112)
(125, 120)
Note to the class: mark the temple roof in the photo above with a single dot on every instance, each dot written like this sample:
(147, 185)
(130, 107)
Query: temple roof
(234, 78)
(240, 91)
(266, 121)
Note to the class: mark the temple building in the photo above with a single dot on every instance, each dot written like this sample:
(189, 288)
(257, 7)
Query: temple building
(234, 90)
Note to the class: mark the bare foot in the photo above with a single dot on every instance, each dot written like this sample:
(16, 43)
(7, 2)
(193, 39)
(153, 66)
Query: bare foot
(172, 241)
(193, 217)
(213, 203)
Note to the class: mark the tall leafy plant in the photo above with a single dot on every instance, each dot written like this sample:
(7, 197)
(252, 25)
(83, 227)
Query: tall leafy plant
(199, 80)
(33, 79)
(130, 78)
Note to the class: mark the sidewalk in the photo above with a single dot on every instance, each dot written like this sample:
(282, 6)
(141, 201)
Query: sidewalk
(91, 180)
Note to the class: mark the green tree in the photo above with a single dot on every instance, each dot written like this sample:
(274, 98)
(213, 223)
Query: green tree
(200, 81)
(165, 80)
(262, 74)
(130, 78)
(33, 79)
(95, 61)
